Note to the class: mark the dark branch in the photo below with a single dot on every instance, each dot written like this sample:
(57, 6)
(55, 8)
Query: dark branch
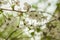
(11, 10)
(26, 11)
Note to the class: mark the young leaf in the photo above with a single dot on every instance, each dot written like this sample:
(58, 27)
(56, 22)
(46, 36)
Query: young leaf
(1, 11)
(34, 6)
(32, 33)
(38, 29)
(12, 6)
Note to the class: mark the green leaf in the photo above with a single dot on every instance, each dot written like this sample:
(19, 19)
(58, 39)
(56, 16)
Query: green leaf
(0, 34)
(58, 6)
(38, 29)
(49, 37)
(1, 19)
(0, 2)
(32, 33)
(40, 0)
(12, 6)
(34, 6)
(10, 15)
(7, 31)
(1, 11)
(17, 33)
(14, 38)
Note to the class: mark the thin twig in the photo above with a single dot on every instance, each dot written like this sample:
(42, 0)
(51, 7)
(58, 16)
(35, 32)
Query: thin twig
(12, 10)
(48, 22)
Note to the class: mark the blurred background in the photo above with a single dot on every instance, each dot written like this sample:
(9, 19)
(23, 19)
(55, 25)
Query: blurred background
(29, 19)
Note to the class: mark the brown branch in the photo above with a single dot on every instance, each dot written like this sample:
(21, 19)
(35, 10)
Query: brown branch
(12, 10)
(26, 11)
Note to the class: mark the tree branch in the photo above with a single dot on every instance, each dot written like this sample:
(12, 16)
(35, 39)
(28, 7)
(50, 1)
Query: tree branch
(12, 10)
(26, 11)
